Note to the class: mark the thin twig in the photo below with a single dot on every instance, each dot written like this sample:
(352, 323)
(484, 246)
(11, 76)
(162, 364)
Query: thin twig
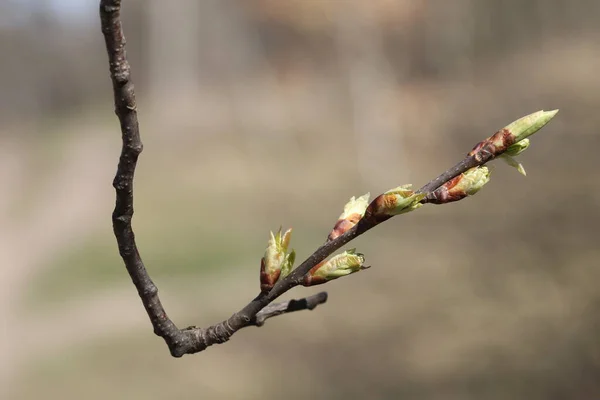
(273, 310)
(193, 339)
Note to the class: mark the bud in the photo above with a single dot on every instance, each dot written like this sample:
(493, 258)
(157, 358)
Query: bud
(396, 201)
(276, 263)
(530, 124)
(353, 212)
(515, 150)
(337, 266)
(510, 135)
(466, 184)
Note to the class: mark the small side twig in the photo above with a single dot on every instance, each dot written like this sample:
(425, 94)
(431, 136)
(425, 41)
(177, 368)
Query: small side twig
(194, 339)
(273, 310)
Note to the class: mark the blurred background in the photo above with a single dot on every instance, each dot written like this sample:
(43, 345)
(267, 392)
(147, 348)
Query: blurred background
(261, 113)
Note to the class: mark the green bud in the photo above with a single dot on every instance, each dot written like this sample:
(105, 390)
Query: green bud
(511, 137)
(517, 148)
(473, 180)
(530, 124)
(337, 266)
(513, 151)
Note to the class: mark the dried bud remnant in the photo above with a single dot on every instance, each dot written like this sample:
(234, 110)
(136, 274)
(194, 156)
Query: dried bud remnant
(337, 266)
(465, 184)
(276, 262)
(353, 212)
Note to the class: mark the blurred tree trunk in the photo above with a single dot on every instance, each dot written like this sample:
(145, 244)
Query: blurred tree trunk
(377, 128)
(173, 56)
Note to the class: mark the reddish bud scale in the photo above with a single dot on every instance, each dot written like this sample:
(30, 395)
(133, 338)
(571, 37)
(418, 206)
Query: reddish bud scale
(444, 194)
(382, 205)
(344, 225)
(466, 184)
(369, 212)
(267, 281)
(494, 145)
(310, 279)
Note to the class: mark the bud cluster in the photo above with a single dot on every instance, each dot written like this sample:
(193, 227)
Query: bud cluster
(507, 143)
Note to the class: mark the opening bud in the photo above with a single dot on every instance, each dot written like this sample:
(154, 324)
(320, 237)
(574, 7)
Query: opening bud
(276, 262)
(353, 212)
(466, 184)
(337, 266)
(396, 201)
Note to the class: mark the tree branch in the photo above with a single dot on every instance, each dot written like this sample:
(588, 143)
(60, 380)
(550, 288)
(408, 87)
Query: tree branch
(194, 339)
(126, 110)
